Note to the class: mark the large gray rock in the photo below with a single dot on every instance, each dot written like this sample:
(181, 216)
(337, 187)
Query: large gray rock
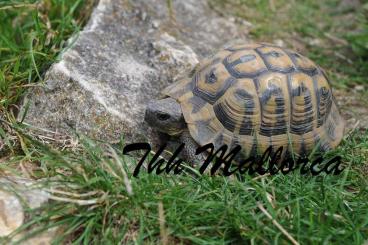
(125, 55)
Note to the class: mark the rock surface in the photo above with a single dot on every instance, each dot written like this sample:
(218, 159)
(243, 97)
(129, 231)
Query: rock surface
(15, 195)
(11, 213)
(126, 54)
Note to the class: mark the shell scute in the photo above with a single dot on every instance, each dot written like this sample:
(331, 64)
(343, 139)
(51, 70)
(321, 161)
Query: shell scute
(276, 59)
(244, 64)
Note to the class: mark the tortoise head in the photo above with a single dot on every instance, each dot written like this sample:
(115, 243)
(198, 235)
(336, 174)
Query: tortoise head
(165, 115)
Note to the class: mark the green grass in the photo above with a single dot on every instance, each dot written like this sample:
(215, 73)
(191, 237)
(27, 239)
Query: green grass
(32, 35)
(197, 209)
(96, 206)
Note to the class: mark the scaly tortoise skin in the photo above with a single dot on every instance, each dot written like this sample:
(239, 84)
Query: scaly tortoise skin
(256, 96)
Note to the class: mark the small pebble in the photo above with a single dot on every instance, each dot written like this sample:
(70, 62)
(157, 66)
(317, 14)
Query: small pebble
(155, 24)
(279, 42)
(246, 23)
(359, 87)
(315, 42)
(143, 16)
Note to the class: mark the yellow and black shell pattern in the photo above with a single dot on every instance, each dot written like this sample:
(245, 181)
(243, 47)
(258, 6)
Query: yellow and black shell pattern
(259, 95)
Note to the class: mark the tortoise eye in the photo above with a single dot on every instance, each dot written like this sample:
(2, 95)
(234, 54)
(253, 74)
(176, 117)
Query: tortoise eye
(163, 116)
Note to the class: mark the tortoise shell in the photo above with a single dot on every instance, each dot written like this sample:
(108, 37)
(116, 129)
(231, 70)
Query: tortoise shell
(256, 96)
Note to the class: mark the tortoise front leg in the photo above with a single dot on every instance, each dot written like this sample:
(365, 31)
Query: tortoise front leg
(190, 150)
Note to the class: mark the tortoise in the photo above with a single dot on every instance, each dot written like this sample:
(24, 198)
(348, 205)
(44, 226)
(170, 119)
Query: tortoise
(253, 95)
